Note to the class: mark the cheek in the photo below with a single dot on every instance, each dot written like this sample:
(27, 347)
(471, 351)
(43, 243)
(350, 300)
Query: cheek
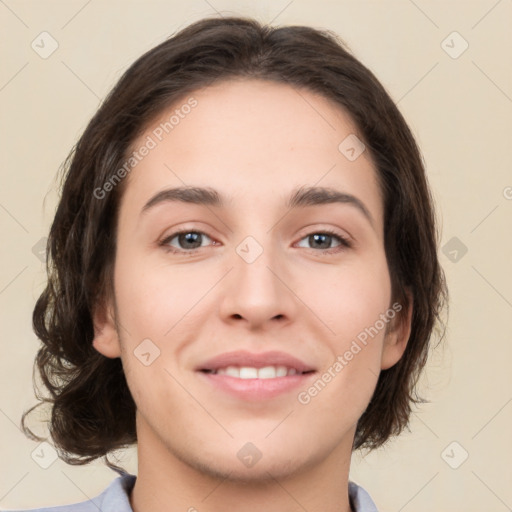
(355, 305)
(151, 299)
(350, 299)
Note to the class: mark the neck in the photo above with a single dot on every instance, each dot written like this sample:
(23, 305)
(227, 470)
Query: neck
(166, 482)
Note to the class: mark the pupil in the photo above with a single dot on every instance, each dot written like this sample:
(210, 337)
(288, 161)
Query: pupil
(190, 238)
(324, 237)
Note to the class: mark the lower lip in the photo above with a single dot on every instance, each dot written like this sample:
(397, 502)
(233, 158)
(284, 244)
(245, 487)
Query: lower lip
(256, 389)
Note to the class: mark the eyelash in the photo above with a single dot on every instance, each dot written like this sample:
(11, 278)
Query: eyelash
(345, 243)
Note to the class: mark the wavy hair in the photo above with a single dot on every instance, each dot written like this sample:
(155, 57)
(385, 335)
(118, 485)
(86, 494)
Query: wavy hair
(92, 410)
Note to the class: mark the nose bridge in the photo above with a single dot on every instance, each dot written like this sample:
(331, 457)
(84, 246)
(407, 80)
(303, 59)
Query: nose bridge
(255, 263)
(257, 250)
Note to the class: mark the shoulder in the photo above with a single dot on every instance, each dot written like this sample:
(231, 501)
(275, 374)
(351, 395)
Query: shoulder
(360, 500)
(115, 498)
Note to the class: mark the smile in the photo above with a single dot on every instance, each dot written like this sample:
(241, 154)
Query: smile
(248, 372)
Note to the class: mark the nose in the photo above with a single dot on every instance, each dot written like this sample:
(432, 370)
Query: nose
(259, 292)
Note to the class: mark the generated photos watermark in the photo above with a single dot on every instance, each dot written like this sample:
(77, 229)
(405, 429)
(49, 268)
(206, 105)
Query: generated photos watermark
(150, 143)
(341, 361)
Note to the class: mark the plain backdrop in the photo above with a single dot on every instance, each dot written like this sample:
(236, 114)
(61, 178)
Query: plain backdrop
(447, 64)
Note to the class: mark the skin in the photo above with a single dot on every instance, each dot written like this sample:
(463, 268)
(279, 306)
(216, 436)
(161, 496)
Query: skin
(255, 142)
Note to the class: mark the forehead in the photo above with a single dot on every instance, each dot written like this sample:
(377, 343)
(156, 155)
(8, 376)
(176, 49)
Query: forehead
(251, 139)
(255, 111)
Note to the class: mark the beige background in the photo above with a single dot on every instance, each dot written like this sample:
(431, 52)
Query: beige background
(460, 109)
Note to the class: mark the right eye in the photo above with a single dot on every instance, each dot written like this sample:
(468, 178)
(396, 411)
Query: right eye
(185, 241)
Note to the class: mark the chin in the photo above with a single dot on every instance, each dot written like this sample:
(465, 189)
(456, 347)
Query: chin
(263, 472)
(248, 464)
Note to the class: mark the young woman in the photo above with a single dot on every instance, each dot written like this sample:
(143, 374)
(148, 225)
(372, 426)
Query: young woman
(243, 275)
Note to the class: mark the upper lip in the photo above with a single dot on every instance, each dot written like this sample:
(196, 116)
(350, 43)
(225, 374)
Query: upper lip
(242, 358)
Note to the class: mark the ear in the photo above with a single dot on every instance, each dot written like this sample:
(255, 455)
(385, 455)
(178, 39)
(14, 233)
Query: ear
(106, 340)
(397, 334)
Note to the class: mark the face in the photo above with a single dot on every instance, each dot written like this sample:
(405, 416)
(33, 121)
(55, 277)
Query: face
(252, 319)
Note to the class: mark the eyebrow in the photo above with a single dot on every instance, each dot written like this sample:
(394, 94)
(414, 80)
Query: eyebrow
(299, 198)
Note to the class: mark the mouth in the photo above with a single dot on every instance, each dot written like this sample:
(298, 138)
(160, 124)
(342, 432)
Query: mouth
(251, 372)
(249, 376)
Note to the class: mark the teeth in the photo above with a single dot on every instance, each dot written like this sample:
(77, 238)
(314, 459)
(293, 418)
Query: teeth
(268, 372)
(282, 371)
(247, 372)
(231, 371)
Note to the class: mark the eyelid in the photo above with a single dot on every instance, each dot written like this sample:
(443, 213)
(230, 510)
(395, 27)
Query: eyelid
(319, 228)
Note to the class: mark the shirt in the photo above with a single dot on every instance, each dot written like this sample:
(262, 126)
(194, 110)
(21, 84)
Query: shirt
(115, 498)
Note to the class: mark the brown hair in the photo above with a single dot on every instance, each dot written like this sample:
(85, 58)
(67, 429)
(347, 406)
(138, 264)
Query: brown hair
(92, 411)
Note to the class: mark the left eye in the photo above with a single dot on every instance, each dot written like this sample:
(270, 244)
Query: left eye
(324, 238)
